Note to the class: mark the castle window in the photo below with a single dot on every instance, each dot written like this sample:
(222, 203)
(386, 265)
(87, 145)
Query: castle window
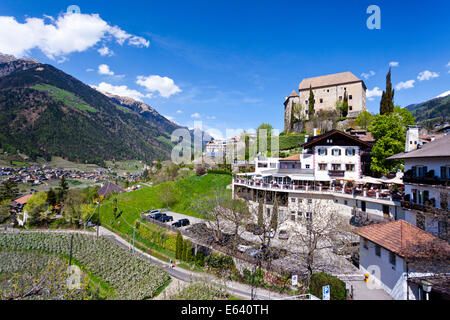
(350, 97)
(328, 90)
(350, 108)
(340, 97)
(321, 100)
(306, 101)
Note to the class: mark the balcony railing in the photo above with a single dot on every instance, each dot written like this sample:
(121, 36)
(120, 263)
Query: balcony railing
(336, 173)
(361, 216)
(426, 180)
(423, 208)
(375, 194)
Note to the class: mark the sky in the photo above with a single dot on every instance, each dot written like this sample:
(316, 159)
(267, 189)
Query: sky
(230, 64)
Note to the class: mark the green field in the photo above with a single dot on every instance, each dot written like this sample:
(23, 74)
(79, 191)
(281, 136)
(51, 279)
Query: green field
(134, 203)
(291, 141)
(69, 99)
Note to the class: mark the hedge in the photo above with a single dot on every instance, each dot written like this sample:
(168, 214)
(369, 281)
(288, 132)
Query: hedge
(337, 286)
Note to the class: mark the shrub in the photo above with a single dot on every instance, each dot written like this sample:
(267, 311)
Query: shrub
(200, 259)
(337, 286)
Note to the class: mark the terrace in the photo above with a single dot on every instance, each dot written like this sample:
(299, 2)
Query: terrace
(350, 189)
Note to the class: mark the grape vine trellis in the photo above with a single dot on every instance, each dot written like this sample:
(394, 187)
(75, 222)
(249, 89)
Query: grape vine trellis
(131, 277)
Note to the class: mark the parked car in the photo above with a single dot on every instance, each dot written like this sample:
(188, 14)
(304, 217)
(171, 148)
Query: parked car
(157, 216)
(242, 248)
(166, 218)
(181, 223)
(154, 211)
(251, 227)
(258, 231)
(283, 235)
(255, 253)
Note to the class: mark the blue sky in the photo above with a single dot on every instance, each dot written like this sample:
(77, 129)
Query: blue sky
(231, 63)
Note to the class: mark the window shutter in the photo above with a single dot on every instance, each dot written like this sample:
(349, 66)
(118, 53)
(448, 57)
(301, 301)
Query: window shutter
(326, 151)
(339, 151)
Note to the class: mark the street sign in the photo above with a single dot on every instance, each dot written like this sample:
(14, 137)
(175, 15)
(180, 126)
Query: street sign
(294, 280)
(326, 293)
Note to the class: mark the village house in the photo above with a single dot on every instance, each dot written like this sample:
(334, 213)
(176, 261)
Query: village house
(402, 259)
(426, 179)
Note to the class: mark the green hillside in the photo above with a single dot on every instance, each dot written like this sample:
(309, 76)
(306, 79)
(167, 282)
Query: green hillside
(433, 111)
(45, 112)
(135, 202)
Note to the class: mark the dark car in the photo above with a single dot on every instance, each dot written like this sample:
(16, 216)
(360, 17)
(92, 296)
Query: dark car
(251, 227)
(165, 218)
(258, 231)
(181, 223)
(157, 216)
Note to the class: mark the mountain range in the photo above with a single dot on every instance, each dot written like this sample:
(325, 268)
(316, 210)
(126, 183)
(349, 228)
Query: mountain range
(431, 112)
(45, 112)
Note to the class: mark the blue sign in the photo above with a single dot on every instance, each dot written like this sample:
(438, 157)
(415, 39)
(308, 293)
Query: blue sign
(326, 293)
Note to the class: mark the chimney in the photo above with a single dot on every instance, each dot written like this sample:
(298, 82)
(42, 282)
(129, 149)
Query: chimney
(412, 138)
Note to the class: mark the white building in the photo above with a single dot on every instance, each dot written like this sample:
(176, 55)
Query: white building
(328, 171)
(427, 183)
(389, 257)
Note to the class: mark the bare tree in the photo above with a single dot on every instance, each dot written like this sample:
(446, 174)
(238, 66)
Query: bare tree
(320, 230)
(237, 213)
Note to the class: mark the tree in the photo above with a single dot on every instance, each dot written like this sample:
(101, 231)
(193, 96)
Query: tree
(63, 189)
(52, 197)
(364, 119)
(210, 208)
(387, 97)
(344, 108)
(311, 103)
(260, 213)
(37, 209)
(274, 219)
(319, 232)
(389, 130)
(179, 246)
(4, 210)
(168, 194)
(337, 286)
(87, 211)
(236, 212)
(265, 126)
(145, 175)
(9, 190)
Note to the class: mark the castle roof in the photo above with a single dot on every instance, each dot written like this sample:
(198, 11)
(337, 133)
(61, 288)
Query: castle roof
(329, 80)
(293, 94)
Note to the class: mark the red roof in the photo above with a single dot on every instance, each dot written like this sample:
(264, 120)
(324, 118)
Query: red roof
(291, 158)
(398, 236)
(23, 199)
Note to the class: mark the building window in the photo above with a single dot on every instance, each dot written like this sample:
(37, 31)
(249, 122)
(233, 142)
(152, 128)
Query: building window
(340, 97)
(336, 152)
(345, 202)
(309, 200)
(328, 90)
(335, 166)
(322, 152)
(350, 108)
(350, 97)
(307, 166)
(299, 216)
(350, 152)
(378, 250)
(292, 199)
(420, 221)
(292, 215)
(392, 258)
(308, 215)
(321, 100)
(365, 244)
(322, 166)
(350, 167)
(306, 101)
(268, 212)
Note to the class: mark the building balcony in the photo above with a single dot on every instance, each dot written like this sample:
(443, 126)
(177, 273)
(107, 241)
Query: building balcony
(360, 217)
(336, 173)
(428, 180)
(423, 208)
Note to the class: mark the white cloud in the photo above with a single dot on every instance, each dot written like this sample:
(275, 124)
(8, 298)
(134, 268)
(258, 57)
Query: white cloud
(179, 111)
(427, 75)
(164, 85)
(368, 75)
(405, 85)
(59, 37)
(446, 93)
(375, 92)
(89, 70)
(393, 64)
(105, 52)
(448, 65)
(122, 91)
(196, 115)
(104, 69)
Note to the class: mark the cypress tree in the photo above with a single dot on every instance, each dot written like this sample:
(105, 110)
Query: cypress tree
(387, 97)
(311, 103)
(274, 218)
(179, 246)
(345, 105)
(52, 198)
(260, 213)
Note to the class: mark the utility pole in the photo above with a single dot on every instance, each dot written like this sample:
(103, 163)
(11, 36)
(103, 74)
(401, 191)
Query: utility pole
(134, 228)
(98, 222)
(71, 246)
